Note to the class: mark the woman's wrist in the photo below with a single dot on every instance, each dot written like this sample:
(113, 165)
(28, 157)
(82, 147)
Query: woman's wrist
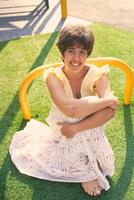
(105, 102)
(75, 128)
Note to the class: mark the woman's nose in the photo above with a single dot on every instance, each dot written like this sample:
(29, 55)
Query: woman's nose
(76, 55)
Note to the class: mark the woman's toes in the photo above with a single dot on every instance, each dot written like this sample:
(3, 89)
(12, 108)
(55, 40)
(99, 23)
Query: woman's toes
(89, 191)
(92, 188)
(97, 191)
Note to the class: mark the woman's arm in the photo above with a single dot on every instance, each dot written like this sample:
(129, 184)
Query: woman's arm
(103, 89)
(75, 107)
(96, 119)
(93, 121)
(102, 86)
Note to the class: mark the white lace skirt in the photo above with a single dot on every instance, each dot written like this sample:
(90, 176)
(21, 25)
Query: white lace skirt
(43, 152)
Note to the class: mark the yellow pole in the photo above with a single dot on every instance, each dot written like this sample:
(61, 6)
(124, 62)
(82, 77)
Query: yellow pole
(63, 8)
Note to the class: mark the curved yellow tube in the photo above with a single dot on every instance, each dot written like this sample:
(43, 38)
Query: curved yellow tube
(97, 61)
(25, 85)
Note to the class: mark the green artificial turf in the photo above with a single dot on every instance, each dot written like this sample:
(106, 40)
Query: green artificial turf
(17, 58)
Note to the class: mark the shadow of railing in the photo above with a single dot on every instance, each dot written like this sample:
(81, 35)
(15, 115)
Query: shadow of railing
(44, 23)
(3, 45)
(31, 20)
(3, 176)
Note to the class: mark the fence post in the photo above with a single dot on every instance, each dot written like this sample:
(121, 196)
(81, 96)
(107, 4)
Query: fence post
(47, 4)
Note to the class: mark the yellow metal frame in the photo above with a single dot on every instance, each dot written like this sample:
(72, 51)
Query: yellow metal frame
(97, 61)
(63, 8)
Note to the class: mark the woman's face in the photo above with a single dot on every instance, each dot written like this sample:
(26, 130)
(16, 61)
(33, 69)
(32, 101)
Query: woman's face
(75, 57)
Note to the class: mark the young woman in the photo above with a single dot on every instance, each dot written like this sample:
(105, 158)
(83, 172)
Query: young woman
(73, 148)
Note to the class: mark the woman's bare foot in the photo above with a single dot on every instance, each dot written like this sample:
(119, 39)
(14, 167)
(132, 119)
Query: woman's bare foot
(92, 187)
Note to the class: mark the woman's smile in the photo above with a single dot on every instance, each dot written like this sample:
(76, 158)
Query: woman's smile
(75, 64)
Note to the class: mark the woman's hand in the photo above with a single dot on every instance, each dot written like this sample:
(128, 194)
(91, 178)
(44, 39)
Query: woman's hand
(69, 130)
(114, 102)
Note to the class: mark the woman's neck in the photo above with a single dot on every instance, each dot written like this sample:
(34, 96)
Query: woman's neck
(75, 76)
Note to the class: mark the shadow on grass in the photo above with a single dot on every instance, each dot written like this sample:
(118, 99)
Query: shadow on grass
(3, 176)
(7, 165)
(3, 45)
(127, 171)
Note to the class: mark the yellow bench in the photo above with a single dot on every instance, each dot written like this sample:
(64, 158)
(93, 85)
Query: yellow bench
(97, 61)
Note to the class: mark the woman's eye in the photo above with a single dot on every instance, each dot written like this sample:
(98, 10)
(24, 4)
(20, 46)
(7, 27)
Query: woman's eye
(83, 52)
(70, 51)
